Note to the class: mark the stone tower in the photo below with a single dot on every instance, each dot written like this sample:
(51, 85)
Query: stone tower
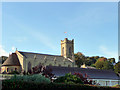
(67, 48)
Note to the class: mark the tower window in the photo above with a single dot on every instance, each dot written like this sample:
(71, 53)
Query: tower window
(70, 51)
(63, 51)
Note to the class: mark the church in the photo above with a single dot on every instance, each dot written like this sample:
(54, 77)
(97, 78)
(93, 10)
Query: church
(60, 64)
(24, 61)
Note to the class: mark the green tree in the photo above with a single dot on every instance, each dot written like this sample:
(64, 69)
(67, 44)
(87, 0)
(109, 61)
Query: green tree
(107, 65)
(99, 64)
(103, 63)
(68, 79)
(112, 60)
(79, 59)
(117, 67)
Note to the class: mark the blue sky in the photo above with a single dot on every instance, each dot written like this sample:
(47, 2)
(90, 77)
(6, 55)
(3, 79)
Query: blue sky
(39, 27)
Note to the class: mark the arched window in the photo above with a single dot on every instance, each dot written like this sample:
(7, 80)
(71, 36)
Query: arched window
(70, 51)
(15, 69)
(29, 67)
(7, 69)
(63, 51)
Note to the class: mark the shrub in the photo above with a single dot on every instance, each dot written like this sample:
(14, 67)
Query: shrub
(14, 72)
(68, 79)
(84, 79)
(31, 78)
(18, 85)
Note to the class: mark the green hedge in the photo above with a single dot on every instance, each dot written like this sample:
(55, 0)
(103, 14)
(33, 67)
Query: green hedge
(38, 78)
(24, 85)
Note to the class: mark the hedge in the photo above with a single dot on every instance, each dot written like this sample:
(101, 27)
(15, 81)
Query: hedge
(10, 85)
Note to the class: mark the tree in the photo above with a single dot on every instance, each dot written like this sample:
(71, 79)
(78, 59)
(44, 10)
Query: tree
(79, 59)
(112, 60)
(68, 79)
(107, 65)
(103, 63)
(83, 78)
(99, 64)
(2, 59)
(117, 67)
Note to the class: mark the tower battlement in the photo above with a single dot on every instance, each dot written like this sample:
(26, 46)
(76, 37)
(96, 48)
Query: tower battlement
(67, 48)
(67, 41)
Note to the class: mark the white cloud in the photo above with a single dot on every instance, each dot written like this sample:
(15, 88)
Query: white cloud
(107, 53)
(3, 52)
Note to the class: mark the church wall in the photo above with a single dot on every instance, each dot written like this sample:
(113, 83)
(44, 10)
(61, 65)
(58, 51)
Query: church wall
(47, 60)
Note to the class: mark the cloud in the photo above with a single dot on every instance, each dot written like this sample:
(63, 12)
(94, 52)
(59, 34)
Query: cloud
(108, 53)
(3, 52)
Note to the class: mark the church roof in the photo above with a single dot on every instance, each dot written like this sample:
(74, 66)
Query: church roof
(12, 60)
(31, 54)
(92, 73)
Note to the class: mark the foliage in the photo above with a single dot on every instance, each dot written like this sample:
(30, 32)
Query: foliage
(112, 60)
(2, 59)
(94, 61)
(84, 79)
(107, 65)
(30, 78)
(40, 69)
(117, 67)
(14, 72)
(68, 79)
(79, 59)
(8, 85)
(103, 63)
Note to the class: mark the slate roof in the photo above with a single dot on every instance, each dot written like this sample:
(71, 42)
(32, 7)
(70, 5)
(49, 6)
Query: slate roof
(12, 60)
(92, 73)
(31, 54)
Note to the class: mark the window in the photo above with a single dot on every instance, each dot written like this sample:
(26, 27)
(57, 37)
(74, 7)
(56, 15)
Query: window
(15, 69)
(59, 65)
(63, 51)
(70, 51)
(7, 69)
(29, 67)
(69, 66)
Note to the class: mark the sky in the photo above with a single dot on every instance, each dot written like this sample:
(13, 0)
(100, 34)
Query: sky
(39, 27)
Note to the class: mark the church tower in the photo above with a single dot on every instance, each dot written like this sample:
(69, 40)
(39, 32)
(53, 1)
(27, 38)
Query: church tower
(67, 48)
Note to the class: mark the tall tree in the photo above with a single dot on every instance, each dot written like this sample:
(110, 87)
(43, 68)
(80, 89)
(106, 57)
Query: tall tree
(103, 63)
(79, 59)
(117, 67)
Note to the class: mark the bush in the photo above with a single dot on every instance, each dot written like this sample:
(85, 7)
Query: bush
(68, 79)
(19, 85)
(30, 78)
(14, 72)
